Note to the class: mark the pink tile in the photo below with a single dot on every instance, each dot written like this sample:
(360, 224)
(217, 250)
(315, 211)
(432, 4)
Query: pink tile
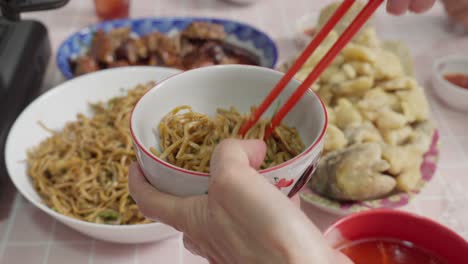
(319, 217)
(65, 233)
(3, 227)
(7, 195)
(465, 236)
(24, 254)
(70, 253)
(456, 181)
(435, 186)
(5, 213)
(449, 153)
(447, 213)
(464, 223)
(439, 108)
(22, 201)
(455, 120)
(189, 258)
(432, 208)
(463, 143)
(458, 173)
(440, 125)
(109, 253)
(411, 207)
(4, 219)
(167, 251)
(31, 225)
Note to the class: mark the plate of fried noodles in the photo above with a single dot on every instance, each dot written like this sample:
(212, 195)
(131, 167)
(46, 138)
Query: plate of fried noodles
(68, 154)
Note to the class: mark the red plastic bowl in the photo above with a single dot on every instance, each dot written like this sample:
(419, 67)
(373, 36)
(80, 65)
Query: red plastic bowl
(393, 224)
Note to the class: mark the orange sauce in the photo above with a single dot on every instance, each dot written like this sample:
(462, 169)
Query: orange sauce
(310, 32)
(459, 79)
(387, 252)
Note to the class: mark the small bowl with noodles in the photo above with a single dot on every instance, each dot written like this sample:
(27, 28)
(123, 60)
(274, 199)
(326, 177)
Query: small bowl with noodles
(177, 124)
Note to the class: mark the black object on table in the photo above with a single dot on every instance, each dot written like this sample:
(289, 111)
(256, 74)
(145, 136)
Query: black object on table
(24, 55)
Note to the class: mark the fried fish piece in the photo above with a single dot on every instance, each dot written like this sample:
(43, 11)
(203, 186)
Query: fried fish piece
(353, 174)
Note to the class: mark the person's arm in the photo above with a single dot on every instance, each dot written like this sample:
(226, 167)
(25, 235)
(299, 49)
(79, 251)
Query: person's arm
(243, 219)
(399, 7)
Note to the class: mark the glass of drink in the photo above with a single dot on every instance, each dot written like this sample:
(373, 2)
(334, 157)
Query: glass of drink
(112, 9)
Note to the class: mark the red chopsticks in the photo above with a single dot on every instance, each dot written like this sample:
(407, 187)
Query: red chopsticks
(347, 35)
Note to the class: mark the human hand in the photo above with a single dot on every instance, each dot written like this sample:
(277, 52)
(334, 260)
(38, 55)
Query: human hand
(399, 7)
(457, 10)
(243, 219)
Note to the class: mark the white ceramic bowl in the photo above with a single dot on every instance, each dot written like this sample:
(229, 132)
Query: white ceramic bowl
(54, 109)
(451, 94)
(207, 89)
(307, 22)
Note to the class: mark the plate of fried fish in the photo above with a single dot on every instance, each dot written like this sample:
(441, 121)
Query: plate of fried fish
(381, 142)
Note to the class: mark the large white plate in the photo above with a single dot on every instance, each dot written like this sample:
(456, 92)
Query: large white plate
(54, 109)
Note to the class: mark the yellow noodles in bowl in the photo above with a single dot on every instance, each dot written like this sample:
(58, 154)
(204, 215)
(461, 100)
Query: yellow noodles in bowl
(82, 170)
(188, 138)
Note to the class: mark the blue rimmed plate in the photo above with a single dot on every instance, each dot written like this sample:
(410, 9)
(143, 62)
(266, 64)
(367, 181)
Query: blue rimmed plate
(239, 34)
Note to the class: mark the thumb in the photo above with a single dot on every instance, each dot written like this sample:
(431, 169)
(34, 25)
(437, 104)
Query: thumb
(233, 178)
(233, 166)
(153, 203)
(236, 152)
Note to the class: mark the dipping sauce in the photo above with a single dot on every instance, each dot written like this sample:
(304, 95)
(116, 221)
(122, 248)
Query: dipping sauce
(458, 79)
(310, 32)
(387, 252)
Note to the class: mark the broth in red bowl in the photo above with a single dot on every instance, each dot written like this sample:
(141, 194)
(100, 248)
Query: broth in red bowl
(395, 237)
(388, 251)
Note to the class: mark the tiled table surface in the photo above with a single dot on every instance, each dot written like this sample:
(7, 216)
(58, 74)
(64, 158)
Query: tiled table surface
(29, 236)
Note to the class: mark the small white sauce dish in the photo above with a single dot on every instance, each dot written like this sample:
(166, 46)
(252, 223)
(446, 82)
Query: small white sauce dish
(305, 28)
(207, 89)
(453, 95)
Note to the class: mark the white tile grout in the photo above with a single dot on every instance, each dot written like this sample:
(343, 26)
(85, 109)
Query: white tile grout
(450, 135)
(209, 6)
(135, 254)
(286, 27)
(181, 249)
(50, 241)
(426, 197)
(457, 165)
(260, 23)
(42, 243)
(9, 226)
(91, 252)
(416, 206)
(463, 151)
(448, 195)
(157, 6)
(184, 8)
(231, 13)
(465, 235)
